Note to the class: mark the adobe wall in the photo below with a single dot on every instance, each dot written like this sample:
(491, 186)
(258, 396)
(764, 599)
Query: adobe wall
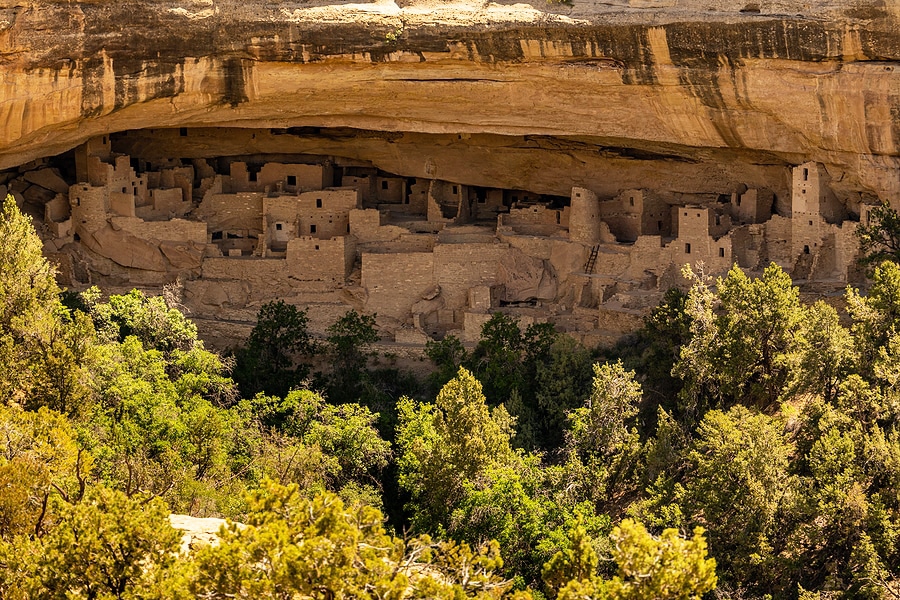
(294, 177)
(458, 267)
(252, 274)
(447, 201)
(532, 245)
(748, 246)
(390, 190)
(90, 206)
(233, 212)
(418, 197)
(366, 226)
(57, 209)
(779, 242)
(394, 282)
(490, 204)
(533, 220)
(364, 184)
(312, 259)
(753, 206)
(164, 203)
(88, 160)
(279, 222)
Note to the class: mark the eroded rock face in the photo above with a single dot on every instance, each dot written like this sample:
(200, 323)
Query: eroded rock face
(714, 84)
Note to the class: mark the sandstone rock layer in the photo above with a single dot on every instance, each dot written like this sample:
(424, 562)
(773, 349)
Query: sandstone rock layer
(479, 92)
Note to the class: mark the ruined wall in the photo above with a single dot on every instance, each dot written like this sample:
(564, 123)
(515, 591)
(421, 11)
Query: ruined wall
(394, 282)
(310, 258)
(458, 267)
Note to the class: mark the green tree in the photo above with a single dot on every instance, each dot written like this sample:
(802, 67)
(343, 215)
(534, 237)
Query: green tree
(736, 481)
(668, 567)
(274, 358)
(40, 458)
(349, 340)
(293, 546)
(602, 447)
(44, 350)
(148, 318)
(879, 239)
(331, 447)
(447, 356)
(746, 340)
(445, 444)
(828, 355)
(876, 320)
(107, 546)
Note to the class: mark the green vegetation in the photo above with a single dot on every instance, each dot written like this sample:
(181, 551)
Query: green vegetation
(742, 444)
(879, 239)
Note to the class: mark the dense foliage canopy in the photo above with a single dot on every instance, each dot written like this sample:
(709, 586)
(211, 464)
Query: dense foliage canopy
(742, 444)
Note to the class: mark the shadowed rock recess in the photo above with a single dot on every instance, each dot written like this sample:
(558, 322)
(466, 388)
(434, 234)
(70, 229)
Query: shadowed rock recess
(432, 162)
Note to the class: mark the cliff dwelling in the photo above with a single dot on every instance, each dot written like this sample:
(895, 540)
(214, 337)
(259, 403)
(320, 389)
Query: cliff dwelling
(560, 162)
(428, 256)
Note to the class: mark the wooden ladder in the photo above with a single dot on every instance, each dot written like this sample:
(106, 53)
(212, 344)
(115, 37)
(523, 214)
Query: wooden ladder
(592, 260)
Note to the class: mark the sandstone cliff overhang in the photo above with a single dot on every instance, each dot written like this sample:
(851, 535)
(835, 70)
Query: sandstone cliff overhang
(768, 81)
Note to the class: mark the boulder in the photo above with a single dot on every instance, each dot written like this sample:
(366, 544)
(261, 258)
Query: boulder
(128, 250)
(48, 179)
(525, 278)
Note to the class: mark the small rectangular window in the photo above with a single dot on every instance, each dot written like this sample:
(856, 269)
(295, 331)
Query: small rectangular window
(317, 246)
(318, 203)
(631, 200)
(455, 189)
(312, 228)
(805, 174)
(292, 180)
(183, 132)
(124, 190)
(384, 185)
(721, 252)
(278, 226)
(687, 248)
